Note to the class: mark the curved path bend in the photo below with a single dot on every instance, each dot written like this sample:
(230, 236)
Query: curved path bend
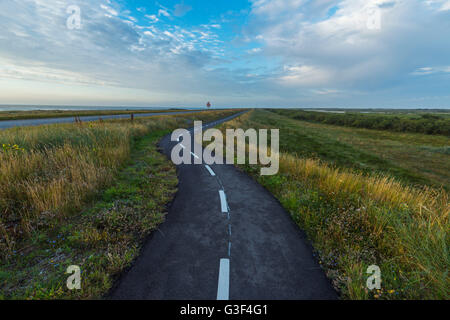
(225, 237)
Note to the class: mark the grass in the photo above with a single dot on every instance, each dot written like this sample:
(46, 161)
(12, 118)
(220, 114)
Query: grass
(82, 195)
(416, 122)
(358, 218)
(412, 158)
(40, 114)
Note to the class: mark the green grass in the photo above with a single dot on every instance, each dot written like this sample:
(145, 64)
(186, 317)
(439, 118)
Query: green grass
(412, 158)
(426, 123)
(356, 217)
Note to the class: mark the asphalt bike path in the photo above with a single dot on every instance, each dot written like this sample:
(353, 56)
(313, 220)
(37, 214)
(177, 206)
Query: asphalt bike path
(224, 237)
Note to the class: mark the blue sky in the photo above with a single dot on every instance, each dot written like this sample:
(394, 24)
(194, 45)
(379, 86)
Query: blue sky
(255, 53)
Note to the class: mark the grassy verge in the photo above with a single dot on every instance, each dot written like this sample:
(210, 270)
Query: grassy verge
(356, 219)
(40, 114)
(83, 195)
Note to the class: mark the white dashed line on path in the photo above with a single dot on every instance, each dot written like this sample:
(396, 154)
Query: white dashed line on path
(223, 287)
(223, 201)
(195, 155)
(210, 170)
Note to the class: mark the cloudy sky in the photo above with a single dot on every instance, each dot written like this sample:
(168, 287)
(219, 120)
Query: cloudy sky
(255, 53)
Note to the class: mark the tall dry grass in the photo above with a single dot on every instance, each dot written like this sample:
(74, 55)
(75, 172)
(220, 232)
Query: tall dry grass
(60, 167)
(53, 170)
(409, 225)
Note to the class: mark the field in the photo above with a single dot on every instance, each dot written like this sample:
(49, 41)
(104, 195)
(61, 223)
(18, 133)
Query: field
(40, 114)
(81, 194)
(365, 197)
(397, 121)
(416, 159)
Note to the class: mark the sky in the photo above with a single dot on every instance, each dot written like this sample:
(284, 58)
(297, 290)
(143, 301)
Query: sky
(234, 53)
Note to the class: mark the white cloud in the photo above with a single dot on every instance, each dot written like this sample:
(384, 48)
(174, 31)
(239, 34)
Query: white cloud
(254, 50)
(441, 5)
(326, 91)
(152, 17)
(107, 50)
(445, 6)
(362, 44)
(305, 76)
(430, 70)
(291, 51)
(110, 10)
(163, 12)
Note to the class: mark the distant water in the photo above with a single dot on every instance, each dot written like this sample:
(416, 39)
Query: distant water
(326, 111)
(79, 108)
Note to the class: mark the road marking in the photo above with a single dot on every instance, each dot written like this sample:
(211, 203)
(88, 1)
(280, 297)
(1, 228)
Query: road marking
(223, 288)
(182, 145)
(195, 155)
(229, 229)
(210, 170)
(223, 201)
(229, 248)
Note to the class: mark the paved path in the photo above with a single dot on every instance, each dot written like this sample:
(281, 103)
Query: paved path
(225, 237)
